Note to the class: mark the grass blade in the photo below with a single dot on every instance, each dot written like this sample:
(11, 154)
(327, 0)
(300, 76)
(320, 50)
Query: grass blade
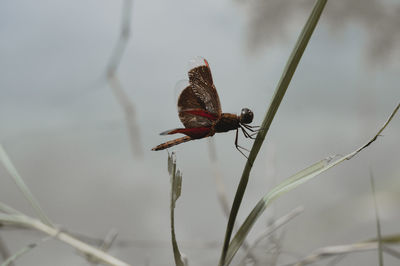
(7, 209)
(264, 202)
(338, 250)
(4, 252)
(289, 184)
(391, 251)
(378, 224)
(220, 186)
(22, 186)
(176, 186)
(105, 245)
(391, 239)
(28, 222)
(281, 88)
(271, 229)
(10, 260)
(341, 250)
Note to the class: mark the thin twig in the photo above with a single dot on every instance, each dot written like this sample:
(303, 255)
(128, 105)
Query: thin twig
(119, 93)
(348, 157)
(124, 36)
(130, 114)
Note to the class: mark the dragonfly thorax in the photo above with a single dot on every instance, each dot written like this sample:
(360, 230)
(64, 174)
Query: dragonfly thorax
(227, 122)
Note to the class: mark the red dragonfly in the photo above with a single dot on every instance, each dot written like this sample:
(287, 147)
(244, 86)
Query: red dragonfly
(200, 111)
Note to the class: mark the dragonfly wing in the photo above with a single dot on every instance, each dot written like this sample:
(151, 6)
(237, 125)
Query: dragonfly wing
(190, 110)
(203, 86)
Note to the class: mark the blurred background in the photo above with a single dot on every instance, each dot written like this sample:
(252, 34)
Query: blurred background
(79, 124)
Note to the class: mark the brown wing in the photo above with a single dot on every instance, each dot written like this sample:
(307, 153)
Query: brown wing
(187, 102)
(203, 86)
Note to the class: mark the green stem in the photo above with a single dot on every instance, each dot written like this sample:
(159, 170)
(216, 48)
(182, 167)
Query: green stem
(281, 88)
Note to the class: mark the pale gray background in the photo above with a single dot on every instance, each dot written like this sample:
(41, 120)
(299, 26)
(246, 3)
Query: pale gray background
(66, 133)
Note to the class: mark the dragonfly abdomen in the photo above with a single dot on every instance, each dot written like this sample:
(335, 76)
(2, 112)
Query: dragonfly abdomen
(171, 143)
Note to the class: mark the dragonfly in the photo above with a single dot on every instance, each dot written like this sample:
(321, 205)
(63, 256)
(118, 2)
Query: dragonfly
(199, 110)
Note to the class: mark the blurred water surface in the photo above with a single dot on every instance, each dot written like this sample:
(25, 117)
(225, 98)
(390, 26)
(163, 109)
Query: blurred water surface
(66, 133)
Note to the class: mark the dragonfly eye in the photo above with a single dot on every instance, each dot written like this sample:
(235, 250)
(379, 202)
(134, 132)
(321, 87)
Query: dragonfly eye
(246, 116)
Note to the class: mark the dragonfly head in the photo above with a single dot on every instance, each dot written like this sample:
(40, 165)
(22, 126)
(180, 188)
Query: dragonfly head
(246, 116)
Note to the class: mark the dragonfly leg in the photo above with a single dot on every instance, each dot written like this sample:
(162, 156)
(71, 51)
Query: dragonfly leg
(251, 128)
(254, 134)
(246, 134)
(254, 131)
(238, 147)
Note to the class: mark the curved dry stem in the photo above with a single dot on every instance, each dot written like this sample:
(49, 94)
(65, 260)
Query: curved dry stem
(123, 100)
(272, 228)
(12, 170)
(341, 250)
(29, 222)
